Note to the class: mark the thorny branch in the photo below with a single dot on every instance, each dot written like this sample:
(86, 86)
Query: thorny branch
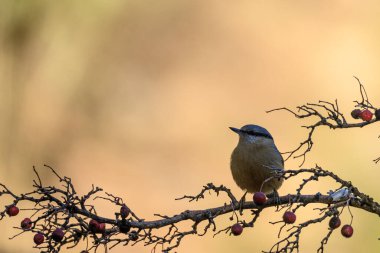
(329, 115)
(61, 207)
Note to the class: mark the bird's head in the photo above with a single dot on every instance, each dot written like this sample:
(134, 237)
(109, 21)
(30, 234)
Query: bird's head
(252, 134)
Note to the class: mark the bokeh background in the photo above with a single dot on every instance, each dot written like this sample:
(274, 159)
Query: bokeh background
(137, 97)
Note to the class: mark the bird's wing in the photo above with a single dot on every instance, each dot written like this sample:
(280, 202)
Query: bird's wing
(282, 159)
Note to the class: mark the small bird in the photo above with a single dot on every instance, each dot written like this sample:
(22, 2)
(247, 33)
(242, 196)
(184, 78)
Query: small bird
(256, 160)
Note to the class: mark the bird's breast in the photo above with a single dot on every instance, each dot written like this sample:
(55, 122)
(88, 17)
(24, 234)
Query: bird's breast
(251, 165)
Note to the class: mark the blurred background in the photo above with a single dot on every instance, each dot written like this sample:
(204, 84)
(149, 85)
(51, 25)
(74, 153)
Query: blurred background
(137, 96)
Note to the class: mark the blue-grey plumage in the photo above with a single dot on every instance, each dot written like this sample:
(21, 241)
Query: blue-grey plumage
(255, 159)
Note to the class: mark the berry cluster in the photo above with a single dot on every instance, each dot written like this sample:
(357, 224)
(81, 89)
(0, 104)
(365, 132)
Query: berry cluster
(289, 217)
(57, 223)
(97, 227)
(27, 224)
(365, 115)
(346, 230)
(57, 235)
(259, 198)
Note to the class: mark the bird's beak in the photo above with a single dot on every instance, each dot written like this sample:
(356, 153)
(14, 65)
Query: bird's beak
(236, 130)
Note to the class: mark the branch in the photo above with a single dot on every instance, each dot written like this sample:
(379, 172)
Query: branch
(329, 115)
(62, 208)
(59, 217)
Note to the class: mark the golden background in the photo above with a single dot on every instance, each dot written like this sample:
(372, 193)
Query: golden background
(137, 97)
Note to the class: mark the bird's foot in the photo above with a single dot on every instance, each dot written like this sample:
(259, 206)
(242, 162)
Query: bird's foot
(276, 198)
(241, 203)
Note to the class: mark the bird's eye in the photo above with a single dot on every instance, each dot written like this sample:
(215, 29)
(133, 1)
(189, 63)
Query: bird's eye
(253, 133)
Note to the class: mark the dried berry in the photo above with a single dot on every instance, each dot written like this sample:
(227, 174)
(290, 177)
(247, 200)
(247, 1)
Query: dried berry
(124, 226)
(366, 115)
(124, 211)
(236, 229)
(93, 226)
(334, 222)
(356, 113)
(26, 223)
(377, 114)
(57, 235)
(259, 198)
(12, 210)
(38, 238)
(289, 217)
(347, 231)
(101, 228)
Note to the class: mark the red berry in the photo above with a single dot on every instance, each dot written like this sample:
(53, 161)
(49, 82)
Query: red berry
(38, 238)
(124, 211)
(347, 231)
(101, 228)
(334, 222)
(356, 113)
(93, 226)
(366, 115)
(12, 210)
(377, 114)
(96, 227)
(26, 223)
(259, 198)
(289, 217)
(236, 229)
(57, 235)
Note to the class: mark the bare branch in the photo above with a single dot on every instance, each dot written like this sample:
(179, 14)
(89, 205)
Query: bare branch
(61, 207)
(63, 218)
(326, 114)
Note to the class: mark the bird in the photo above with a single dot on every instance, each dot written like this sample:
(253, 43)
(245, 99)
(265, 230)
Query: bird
(256, 161)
